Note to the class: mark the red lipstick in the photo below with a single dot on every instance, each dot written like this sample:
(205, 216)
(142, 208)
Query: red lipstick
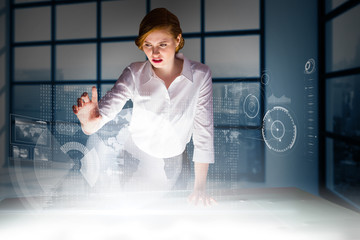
(157, 60)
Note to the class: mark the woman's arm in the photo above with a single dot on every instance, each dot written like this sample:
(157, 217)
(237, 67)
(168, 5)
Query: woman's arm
(203, 137)
(93, 114)
(201, 170)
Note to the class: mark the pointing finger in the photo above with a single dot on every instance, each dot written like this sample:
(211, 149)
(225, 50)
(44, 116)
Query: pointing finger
(94, 94)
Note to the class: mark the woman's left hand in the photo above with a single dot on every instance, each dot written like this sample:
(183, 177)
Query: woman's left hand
(200, 197)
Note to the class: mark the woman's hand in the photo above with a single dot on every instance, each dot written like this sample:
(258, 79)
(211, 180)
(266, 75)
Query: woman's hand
(87, 112)
(201, 197)
(199, 194)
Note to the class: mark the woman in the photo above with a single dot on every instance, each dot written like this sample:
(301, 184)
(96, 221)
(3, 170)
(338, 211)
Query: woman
(172, 101)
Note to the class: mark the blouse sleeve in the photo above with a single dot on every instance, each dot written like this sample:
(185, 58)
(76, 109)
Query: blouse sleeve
(203, 133)
(114, 100)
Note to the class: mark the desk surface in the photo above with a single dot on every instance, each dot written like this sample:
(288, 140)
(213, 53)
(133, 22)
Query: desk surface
(262, 213)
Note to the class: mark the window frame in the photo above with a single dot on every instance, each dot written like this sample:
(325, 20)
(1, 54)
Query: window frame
(98, 40)
(324, 77)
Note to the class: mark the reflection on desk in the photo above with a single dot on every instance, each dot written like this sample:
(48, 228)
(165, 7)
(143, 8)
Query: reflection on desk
(262, 213)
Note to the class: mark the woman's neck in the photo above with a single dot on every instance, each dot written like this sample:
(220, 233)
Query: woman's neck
(169, 74)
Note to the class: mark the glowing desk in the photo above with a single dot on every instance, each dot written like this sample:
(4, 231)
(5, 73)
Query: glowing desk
(272, 213)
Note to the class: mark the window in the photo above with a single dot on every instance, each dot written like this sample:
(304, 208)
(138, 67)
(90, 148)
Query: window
(340, 92)
(60, 49)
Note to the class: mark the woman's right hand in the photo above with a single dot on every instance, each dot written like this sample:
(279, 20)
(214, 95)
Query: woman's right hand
(87, 111)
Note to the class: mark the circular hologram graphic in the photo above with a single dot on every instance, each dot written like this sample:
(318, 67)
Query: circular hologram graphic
(86, 161)
(279, 129)
(265, 78)
(310, 66)
(251, 106)
(50, 166)
(69, 146)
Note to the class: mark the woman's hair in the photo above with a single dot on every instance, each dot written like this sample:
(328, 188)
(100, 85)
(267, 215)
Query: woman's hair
(159, 18)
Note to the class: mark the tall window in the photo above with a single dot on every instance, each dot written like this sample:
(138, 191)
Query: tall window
(61, 48)
(340, 97)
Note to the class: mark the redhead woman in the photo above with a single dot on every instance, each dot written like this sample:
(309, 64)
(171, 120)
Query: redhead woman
(172, 102)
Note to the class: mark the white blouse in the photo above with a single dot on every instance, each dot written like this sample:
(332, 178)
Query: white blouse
(163, 120)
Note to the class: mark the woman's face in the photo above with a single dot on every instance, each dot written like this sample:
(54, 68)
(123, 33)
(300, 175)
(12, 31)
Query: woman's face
(159, 47)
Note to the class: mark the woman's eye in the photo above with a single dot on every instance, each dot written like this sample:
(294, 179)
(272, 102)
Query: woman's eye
(163, 45)
(147, 45)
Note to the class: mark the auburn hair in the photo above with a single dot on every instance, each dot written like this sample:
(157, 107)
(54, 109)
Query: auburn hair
(159, 18)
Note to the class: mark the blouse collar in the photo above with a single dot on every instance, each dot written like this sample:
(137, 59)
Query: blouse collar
(186, 70)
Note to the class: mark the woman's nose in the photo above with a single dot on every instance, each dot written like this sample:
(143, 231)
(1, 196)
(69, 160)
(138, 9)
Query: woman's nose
(155, 51)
